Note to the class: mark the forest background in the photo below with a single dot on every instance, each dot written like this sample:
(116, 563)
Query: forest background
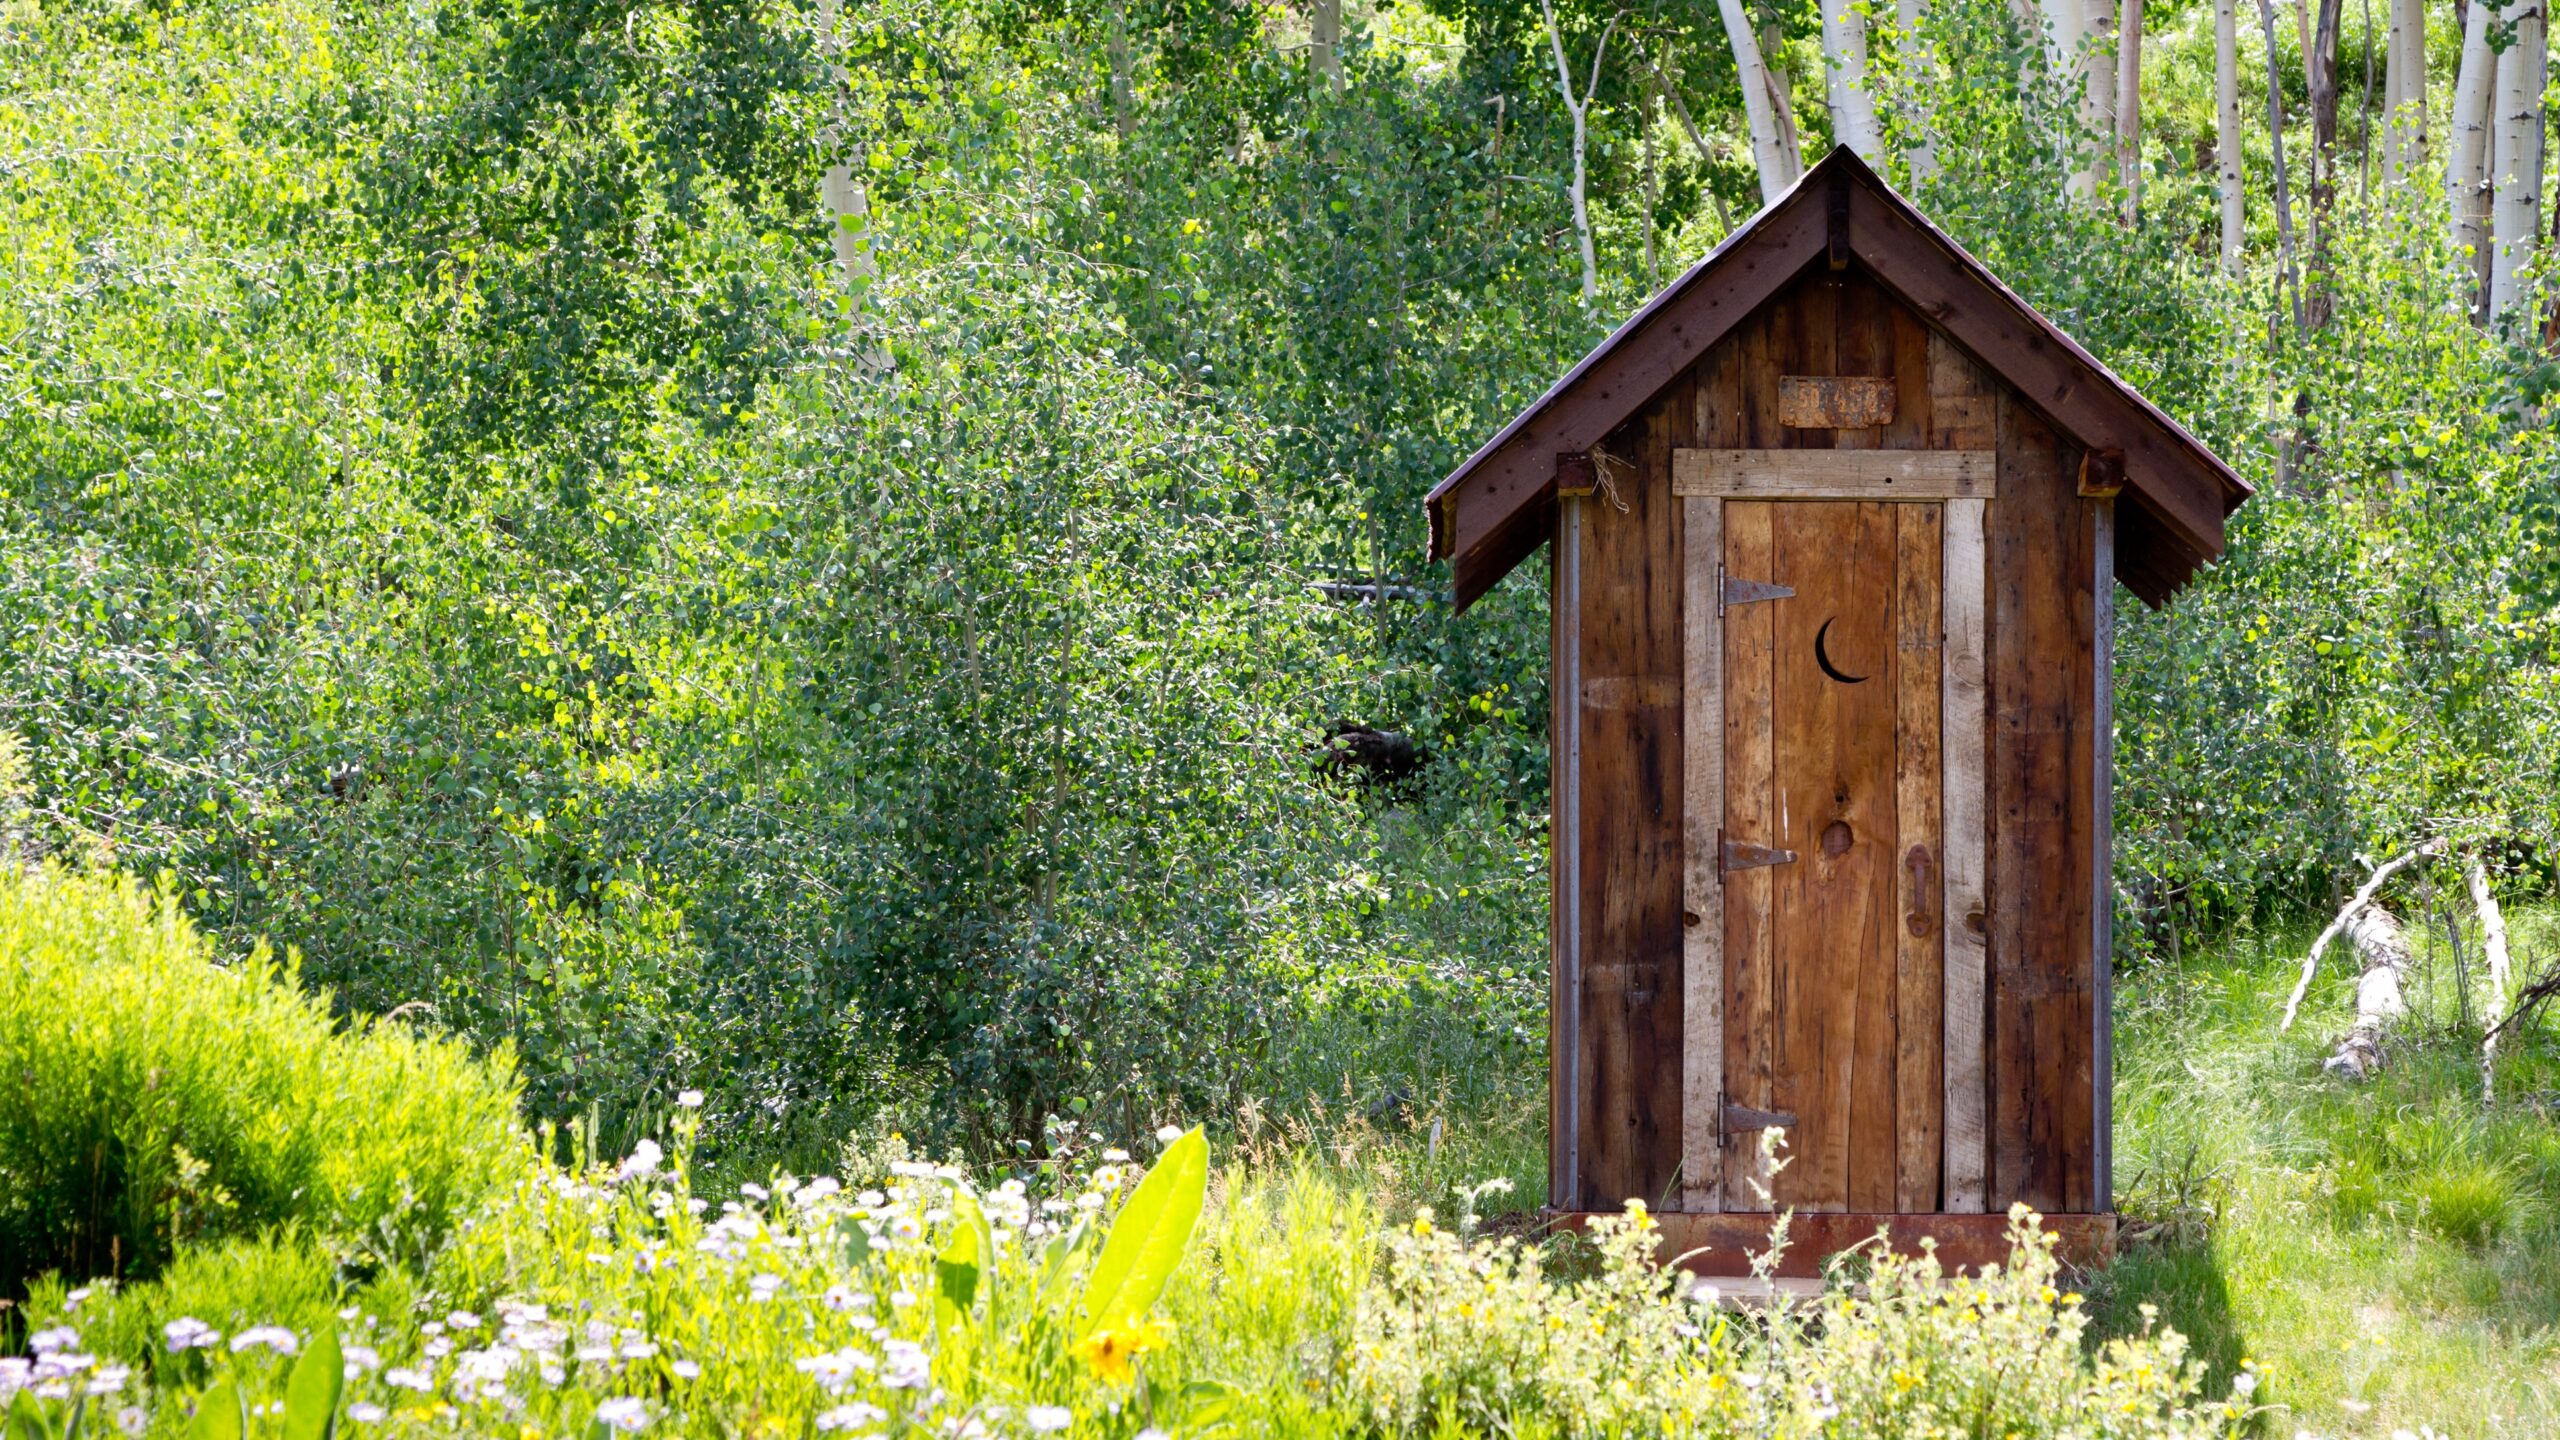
(810, 552)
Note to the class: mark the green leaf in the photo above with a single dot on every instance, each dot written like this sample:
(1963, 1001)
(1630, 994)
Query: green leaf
(26, 1422)
(311, 1392)
(219, 1415)
(1207, 1404)
(857, 1240)
(1147, 1239)
(957, 1268)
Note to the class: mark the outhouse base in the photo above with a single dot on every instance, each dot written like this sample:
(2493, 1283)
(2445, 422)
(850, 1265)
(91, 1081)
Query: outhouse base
(1727, 1244)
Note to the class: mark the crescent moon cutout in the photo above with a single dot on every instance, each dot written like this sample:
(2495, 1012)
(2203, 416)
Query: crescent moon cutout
(1822, 657)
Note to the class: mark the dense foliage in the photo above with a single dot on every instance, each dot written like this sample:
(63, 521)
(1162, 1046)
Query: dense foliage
(479, 505)
(157, 1100)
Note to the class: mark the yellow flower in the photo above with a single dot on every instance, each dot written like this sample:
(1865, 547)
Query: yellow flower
(1111, 1353)
(1905, 1380)
(1422, 1221)
(1715, 1382)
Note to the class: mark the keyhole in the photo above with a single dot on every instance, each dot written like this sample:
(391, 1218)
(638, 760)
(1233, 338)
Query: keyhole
(1836, 838)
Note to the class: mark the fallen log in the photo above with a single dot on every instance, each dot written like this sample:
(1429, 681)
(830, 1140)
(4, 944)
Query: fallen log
(2381, 992)
(2363, 898)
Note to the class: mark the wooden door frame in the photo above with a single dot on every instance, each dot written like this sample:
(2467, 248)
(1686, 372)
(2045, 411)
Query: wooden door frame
(1963, 483)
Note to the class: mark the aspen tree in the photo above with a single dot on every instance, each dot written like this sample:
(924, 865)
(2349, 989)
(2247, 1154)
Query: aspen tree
(1845, 83)
(1324, 42)
(1920, 73)
(2466, 160)
(1764, 105)
(2404, 90)
(2226, 87)
(2129, 109)
(1579, 108)
(2523, 72)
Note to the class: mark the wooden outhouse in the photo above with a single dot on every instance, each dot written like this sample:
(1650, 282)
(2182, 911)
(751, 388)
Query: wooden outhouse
(1837, 525)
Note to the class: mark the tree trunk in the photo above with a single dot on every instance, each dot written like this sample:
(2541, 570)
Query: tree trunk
(1324, 48)
(1579, 108)
(2523, 71)
(2290, 277)
(2226, 87)
(2381, 993)
(2066, 36)
(2404, 90)
(1845, 85)
(2320, 64)
(1124, 107)
(2466, 159)
(2129, 110)
(1921, 73)
(1764, 106)
(2493, 941)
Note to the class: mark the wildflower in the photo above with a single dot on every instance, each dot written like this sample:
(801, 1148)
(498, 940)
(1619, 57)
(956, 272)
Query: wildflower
(644, 1161)
(408, 1379)
(360, 1359)
(1048, 1419)
(1422, 1221)
(46, 1342)
(1168, 1134)
(132, 1418)
(839, 1298)
(626, 1413)
(763, 1288)
(463, 1320)
(274, 1337)
(1116, 1155)
(365, 1412)
(636, 1349)
(834, 1369)
(73, 1300)
(845, 1417)
(1112, 1353)
(108, 1379)
(188, 1333)
(689, 1099)
(908, 1366)
(685, 1370)
(902, 1298)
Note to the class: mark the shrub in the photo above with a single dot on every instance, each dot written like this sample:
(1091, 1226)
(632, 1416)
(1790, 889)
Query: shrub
(153, 1096)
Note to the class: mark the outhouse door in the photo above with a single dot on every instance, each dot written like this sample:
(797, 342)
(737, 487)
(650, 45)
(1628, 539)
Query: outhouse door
(1835, 648)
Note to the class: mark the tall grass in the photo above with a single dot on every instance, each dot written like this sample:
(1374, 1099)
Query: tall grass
(2383, 1251)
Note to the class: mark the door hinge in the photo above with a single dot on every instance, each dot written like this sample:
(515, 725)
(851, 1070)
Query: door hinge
(1730, 591)
(1732, 855)
(1732, 1119)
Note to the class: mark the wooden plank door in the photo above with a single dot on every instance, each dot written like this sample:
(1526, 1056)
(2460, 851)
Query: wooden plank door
(1834, 839)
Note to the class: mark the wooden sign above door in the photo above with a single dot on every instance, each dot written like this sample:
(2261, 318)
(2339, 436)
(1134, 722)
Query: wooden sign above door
(1835, 402)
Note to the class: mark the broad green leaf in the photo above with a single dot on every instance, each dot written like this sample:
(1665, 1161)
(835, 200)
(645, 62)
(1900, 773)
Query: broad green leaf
(218, 1414)
(26, 1421)
(958, 1268)
(311, 1392)
(1148, 1237)
(857, 1240)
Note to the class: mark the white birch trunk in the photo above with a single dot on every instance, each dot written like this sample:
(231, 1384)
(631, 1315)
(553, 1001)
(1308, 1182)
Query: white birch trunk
(1764, 106)
(2129, 109)
(2404, 90)
(2523, 71)
(1579, 108)
(1920, 74)
(1124, 102)
(2226, 86)
(2381, 992)
(1845, 84)
(2466, 159)
(2493, 941)
(1324, 48)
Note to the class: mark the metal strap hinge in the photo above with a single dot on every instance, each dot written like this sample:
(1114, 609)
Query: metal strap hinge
(1730, 591)
(1732, 855)
(1732, 1119)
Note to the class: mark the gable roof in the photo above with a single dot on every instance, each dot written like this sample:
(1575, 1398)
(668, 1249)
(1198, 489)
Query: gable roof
(1499, 506)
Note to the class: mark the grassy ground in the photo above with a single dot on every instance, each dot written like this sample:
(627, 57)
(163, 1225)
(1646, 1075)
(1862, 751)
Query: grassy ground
(2388, 1253)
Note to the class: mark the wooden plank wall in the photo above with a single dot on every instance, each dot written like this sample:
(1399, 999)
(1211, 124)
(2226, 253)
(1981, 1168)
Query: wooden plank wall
(1624, 1090)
